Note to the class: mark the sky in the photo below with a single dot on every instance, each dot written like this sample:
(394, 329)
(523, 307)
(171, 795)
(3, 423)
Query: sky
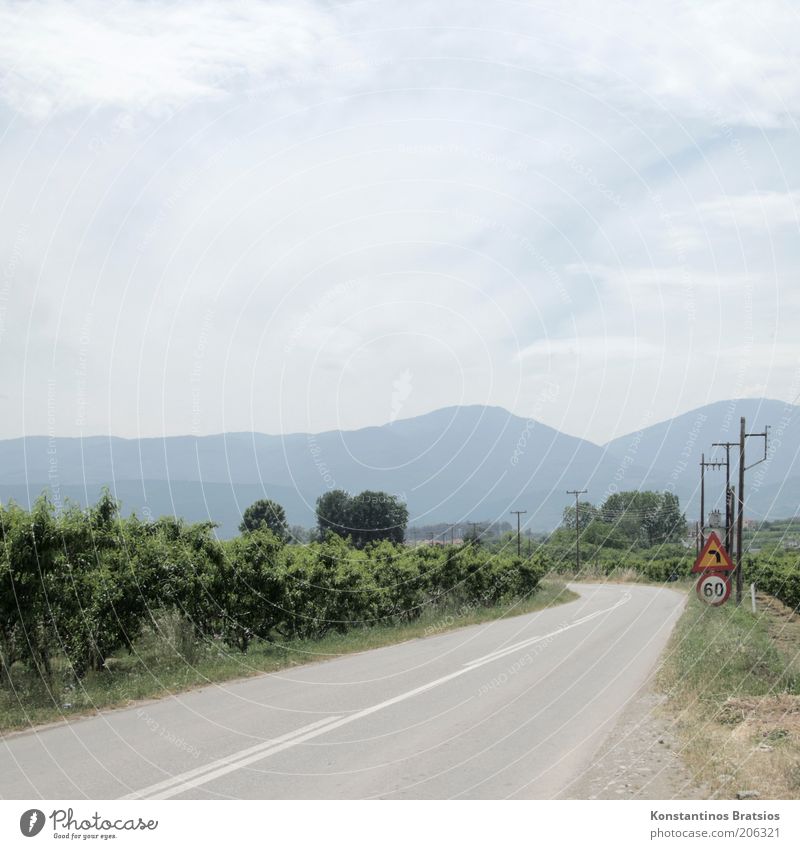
(302, 216)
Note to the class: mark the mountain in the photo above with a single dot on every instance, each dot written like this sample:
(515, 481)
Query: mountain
(454, 464)
(670, 452)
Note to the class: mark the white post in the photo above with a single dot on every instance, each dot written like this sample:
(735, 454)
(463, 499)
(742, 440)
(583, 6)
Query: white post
(753, 596)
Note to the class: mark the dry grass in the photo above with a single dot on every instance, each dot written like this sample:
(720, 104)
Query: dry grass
(160, 667)
(733, 680)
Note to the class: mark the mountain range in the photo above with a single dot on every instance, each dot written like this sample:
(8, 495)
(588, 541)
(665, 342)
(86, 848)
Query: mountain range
(452, 465)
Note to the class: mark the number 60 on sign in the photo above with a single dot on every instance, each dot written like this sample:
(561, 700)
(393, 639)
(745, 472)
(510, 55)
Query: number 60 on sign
(714, 588)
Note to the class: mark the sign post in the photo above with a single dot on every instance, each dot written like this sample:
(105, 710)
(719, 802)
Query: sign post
(714, 565)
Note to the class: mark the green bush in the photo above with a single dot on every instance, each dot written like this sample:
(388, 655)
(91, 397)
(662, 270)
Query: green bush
(83, 584)
(776, 574)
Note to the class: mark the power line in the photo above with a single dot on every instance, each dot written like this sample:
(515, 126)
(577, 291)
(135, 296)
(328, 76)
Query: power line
(577, 493)
(518, 513)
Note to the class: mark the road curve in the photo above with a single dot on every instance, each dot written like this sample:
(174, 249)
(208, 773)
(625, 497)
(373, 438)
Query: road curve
(510, 709)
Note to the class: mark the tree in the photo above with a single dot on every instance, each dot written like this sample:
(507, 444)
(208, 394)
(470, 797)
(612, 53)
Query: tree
(586, 511)
(299, 535)
(367, 517)
(375, 516)
(647, 518)
(250, 587)
(265, 513)
(333, 513)
(667, 524)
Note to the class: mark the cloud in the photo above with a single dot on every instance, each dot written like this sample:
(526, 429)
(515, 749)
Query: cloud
(63, 56)
(346, 192)
(755, 211)
(592, 348)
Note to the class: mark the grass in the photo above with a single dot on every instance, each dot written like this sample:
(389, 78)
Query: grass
(171, 661)
(733, 682)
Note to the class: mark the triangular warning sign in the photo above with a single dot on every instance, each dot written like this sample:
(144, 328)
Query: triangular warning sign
(713, 556)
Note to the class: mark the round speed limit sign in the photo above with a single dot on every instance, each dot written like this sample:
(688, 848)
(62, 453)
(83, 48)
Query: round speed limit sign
(714, 588)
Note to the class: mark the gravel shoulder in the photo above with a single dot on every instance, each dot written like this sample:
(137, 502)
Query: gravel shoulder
(640, 759)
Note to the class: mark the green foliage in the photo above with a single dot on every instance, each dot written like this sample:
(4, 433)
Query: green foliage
(364, 518)
(646, 518)
(81, 585)
(333, 513)
(777, 574)
(587, 513)
(267, 514)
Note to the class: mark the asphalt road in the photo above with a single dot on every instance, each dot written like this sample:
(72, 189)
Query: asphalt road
(514, 708)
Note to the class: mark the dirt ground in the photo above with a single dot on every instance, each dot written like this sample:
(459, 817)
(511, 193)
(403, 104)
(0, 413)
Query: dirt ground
(640, 759)
(749, 748)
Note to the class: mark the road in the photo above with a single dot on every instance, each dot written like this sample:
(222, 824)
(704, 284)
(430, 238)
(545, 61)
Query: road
(511, 709)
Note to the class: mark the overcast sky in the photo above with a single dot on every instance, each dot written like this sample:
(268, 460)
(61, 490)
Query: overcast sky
(283, 216)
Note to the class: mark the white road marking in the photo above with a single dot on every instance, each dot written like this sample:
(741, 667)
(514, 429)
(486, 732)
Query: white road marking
(496, 655)
(256, 751)
(202, 775)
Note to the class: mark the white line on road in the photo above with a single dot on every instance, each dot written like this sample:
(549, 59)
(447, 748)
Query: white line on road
(254, 752)
(202, 775)
(496, 655)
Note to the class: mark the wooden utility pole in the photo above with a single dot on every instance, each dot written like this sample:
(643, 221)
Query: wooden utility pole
(740, 516)
(702, 500)
(577, 493)
(518, 513)
(705, 464)
(728, 499)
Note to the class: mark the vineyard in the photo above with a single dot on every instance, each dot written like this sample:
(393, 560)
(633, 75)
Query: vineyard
(80, 589)
(78, 586)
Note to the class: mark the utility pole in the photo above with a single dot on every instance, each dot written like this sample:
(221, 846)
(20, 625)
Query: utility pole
(518, 513)
(702, 500)
(475, 534)
(740, 516)
(728, 500)
(577, 493)
(705, 464)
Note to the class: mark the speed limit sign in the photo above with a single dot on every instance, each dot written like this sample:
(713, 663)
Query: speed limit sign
(714, 588)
